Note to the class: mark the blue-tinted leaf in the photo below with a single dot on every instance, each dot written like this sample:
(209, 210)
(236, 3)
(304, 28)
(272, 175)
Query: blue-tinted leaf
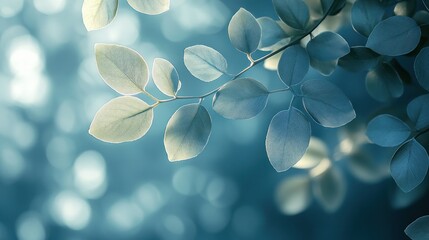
(240, 99)
(326, 103)
(327, 46)
(293, 12)
(326, 68)
(272, 33)
(97, 14)
(165, 77)
(244, 31)
(359, 58)
(387, 131)
(293, 195)
(365, 15)
(151, 7)
(421, 68)
(338, 5)
(383, 83)
(293, 65)
(329, 189)
(204, 62)
(287, 139)
(394, 36)
(418, 111)
(187, 132)
(419, 229)
(405, 8)
(409, 165)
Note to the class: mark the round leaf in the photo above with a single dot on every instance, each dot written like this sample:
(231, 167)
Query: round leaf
(421, 68)
(326, 103)
(409, 165)
(244, 31)
(359, 58)
(287, 139)
(205, 63)
(327, 46)
(293, 65)
(151, 7)
(97, 14)
(329, 189)
(293, 195)
(365, 15)
(165, 77)
(123, 119)
(325, 68)
(418, 111)
(240, 99)
(383, 83)
(187, 132)
(395, 36)
(294, 13)
(272, 33)
(418, 230)
(122, 68)
(316, 152)
(387, 131)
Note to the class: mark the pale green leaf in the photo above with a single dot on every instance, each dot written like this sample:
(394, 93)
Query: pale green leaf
(165, 77)
(205, 63)
(244, 31)
(97, 14)
(151, 7)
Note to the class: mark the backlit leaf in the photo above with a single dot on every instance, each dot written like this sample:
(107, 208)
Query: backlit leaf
(418, 230)
(365, 15)
(244, 31)
(205, 63)
(329, 189)
(293, 66)
(387, 131)
(165, 77)
(383, 83)
(293, 195)
(418, 111)
(272, 33)
(98, 13)
(294, 13)
(327, 46)
(151, 7)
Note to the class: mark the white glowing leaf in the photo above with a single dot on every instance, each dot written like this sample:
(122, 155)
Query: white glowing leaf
(98, 13)
(151, 7)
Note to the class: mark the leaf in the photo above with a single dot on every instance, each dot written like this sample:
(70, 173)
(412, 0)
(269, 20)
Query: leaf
(293, 65)
(287, 139)
(293, 195)
(326, 103)
(409, 165)
(165, 77)
(370, 163)
(122, 68)
(405, 8)
(97, 14)
(240, 99)
(187, 132)
(401, 200)
(294, 13)
(365, 15)
(151, 7)
(418, 111)
(338, 6)
(421, 68)
(244, 31)
(316, 152)
(271, 33)
(383, 83)
(123, 119)
(359, 58)
(426, 3)
(418, 230)
(387, 131)
(395, 36)
(327, 46)
(326, 68)
(329, 189)
(205, 63)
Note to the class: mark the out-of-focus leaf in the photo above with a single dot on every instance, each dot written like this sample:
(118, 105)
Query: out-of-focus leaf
(293, 65)
(329, 189)
(409, 165)
(418, 111)
(151, 7)
(205, 63)
(244, 31)
(370, 163)
(418, 230)
(365, 15)
(98, 13)
(272, 33)
(383, 83)
(123, 119)
(122, 68)
(326, 103)
(421, 68)
(293, 195)
(327, 46)
(316, 152)
(240, 99)
(272, 62)
(165, 77)
(325, 68)
(405, 8)
(187, 132)
(400, 199)
(287, 139)
(387, 131)
(294, 13)
(426, 3)
(394, 36)
(359, 58)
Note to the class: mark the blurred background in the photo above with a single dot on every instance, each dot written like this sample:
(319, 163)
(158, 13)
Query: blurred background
(58, 182)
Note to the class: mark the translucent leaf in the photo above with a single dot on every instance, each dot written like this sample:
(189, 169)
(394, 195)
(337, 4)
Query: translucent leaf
(244, 31)
(165, 77)
(326, 103)
(204, 62)
(316, 152)
(405, 8)
(365, 15)
(240, 99)
(272, 33)
(98, 13)
(293, 65)
(294, 13)
(327, 46)
(272, 62)
(287, 139)
(418, 111)
(370, 163)
(383, 83)
(421, 68)
(187, 132)
(418, 230)
(409, 165)
(293, 195)
(326, 68)
(359, 58)
(329, 189)
(122, 68)
(151, 7)
(123, 119)
(394, 36)
(387, 131)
